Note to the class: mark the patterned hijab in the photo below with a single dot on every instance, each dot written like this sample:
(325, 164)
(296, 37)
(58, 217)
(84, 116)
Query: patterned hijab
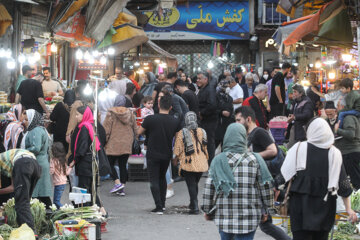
(191, 120)
(14, 129)
(35, 119)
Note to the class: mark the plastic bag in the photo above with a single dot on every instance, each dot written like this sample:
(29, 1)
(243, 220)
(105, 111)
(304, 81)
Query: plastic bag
(22, 233)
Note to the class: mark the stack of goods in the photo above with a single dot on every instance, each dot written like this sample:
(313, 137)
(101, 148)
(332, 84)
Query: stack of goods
(278, 126)
(52, 101)
(4, 105)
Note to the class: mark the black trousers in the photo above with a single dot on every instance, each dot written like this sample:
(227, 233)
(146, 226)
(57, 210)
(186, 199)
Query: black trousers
(26, 172)
(352, 166)
(86, 182)
(310, 235)
(277, 110)
(122, 161)
(210, 128)
(192, 181)
(157, 176)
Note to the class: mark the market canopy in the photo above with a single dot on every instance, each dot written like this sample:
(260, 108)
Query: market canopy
(5, 20)
(124, 34)
(328, 26)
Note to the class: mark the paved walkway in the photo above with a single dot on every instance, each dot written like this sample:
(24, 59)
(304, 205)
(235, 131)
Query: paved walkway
(130, 217)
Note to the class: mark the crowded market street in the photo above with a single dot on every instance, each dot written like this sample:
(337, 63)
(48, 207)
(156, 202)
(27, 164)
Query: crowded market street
(179, 119)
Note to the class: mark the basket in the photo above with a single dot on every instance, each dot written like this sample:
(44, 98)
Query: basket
(278, 134)
(278, 124)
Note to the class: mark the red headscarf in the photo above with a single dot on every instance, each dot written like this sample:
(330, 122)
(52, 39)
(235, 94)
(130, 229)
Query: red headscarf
(87, 121)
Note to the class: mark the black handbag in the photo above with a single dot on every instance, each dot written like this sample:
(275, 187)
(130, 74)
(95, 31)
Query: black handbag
(104, 165)
(136, 149)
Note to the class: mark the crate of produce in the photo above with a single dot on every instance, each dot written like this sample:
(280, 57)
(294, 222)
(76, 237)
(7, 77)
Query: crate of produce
(82, 229)
(136, 171)
(278, 135)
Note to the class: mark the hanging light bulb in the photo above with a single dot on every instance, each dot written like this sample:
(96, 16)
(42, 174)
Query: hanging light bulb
(31, 60)
(87, 55)
(136, 64)
(91, 60)
(111, 51)
(318, 64)
(103, 60)
(157, 61)
(8, 53)
(210, 65)
(332, 75)
(21, 58)
(37, 56)
(95, 53)
(53, 47)
(11, 64)
(88, 90)
(79, 54)
(2, 52)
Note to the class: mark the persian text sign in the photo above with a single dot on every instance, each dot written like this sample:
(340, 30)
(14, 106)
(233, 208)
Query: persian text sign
(200, 20)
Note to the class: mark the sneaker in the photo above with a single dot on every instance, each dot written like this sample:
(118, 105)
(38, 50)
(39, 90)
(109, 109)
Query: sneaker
(157, 211)
(121, 192)
(117, 188)
(170, 193)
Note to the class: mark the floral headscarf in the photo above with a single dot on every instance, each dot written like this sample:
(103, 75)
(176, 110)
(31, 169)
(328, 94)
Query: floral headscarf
(14, 129)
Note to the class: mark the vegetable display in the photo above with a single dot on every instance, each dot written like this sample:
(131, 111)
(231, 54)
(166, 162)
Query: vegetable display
(355, 201)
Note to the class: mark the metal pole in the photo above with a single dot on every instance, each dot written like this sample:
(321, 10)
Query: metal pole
(358, 39)
(94, 152)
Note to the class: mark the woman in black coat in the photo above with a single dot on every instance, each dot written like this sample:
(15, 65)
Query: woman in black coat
(60, 117)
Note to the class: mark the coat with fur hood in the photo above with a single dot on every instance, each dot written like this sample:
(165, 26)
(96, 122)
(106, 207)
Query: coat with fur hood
(120, 126)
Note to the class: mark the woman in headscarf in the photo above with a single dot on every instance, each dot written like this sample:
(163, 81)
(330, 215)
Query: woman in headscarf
(191, 151)
(317, 175)
(81, 141)
(60, 116)
(120, 127)
(37, 142)
(241, 182)
(14, 130)
(149, 85)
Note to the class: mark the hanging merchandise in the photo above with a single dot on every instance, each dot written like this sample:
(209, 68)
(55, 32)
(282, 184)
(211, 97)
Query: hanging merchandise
(5, 20)
(323, 53)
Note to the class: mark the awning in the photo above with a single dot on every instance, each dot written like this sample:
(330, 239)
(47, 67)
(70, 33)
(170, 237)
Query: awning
(124, 34)
(314, 21)
(5, 20)
(159, 50)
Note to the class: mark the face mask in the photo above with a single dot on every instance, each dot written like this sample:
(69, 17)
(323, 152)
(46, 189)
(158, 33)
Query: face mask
(265, 76)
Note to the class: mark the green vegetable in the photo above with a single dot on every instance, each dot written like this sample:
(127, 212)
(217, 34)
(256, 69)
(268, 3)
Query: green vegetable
(5, 231)
(346, 228)
(355, 201)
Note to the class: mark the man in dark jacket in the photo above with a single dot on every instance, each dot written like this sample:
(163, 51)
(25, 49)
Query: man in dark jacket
(249, 86)
(208, 110)
(302, 112)
(255, 102)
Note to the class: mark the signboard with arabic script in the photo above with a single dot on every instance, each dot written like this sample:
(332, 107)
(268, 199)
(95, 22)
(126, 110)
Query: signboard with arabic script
(200, 20)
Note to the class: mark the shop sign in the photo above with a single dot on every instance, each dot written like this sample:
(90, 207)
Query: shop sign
(200, 20)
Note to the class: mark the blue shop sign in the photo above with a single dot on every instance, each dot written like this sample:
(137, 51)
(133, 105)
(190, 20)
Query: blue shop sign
(200, 20)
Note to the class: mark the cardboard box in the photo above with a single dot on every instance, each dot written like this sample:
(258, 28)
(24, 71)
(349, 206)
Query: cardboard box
(84, 230)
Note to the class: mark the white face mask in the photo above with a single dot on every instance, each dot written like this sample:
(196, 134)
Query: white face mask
(265, 76)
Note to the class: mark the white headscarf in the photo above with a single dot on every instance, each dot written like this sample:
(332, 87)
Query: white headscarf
(30, 113)
(319, 134)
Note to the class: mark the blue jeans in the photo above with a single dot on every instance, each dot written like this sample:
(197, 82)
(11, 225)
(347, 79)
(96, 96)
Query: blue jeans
(168, 175)
(232, 236)
(342, 116)
(58, 191)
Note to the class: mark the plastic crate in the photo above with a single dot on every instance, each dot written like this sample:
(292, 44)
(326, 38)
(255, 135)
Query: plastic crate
(278, 124)
(136, 172)
(278, 134)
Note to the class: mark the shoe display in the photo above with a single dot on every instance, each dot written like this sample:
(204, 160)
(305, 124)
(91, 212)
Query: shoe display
(117, 188)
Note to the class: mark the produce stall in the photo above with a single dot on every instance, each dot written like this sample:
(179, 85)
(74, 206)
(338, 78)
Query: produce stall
(66, 223)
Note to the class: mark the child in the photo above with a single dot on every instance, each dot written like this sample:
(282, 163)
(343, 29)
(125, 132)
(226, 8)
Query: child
(352, 100)
(59, 171)
(148, 107)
